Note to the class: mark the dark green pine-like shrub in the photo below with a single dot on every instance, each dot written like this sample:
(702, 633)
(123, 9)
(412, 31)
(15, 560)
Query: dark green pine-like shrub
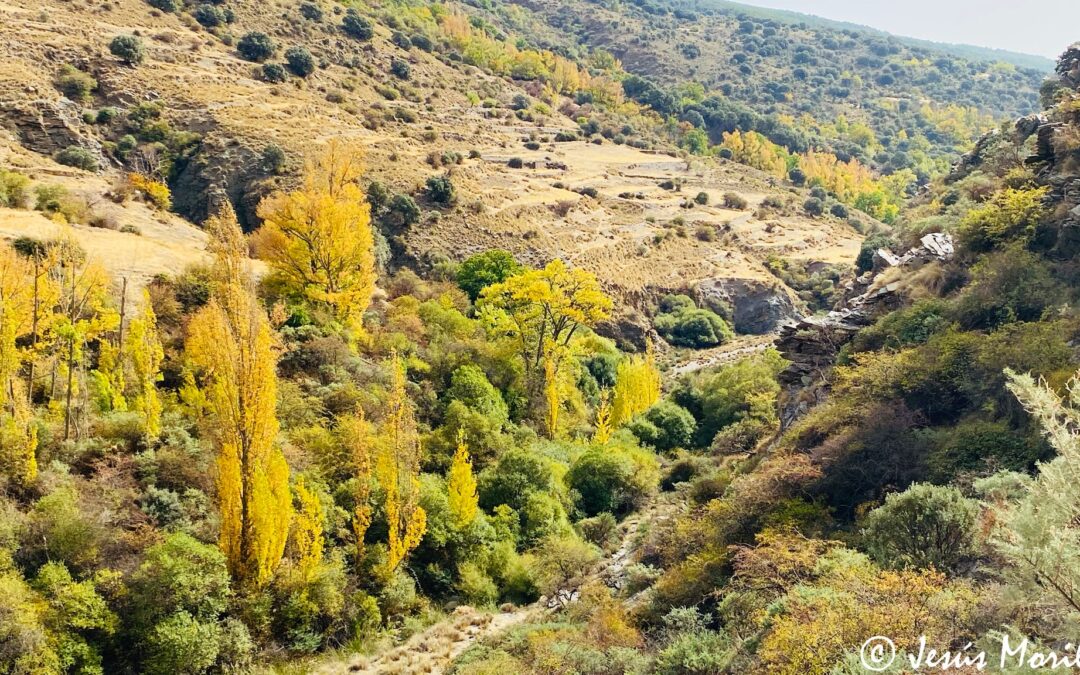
(209, 16)
(356, 26)
(300, 61)
(274, 72)
(256, 46)
(440, 189)
(400, 69)
(128, 48)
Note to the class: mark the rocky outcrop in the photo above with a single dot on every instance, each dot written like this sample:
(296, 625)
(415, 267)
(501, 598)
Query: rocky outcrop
(629, 329)
(47, 125)
(755, 307)
(812, 343)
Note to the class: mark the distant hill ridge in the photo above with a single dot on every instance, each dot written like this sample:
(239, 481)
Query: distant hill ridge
(966, 51)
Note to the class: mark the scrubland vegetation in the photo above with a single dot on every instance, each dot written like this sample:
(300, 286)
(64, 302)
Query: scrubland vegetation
(318, 444)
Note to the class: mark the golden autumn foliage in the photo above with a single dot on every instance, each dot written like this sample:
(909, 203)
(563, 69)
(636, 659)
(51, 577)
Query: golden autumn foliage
(602, 434)
(830, 598)
(319, 237)
(230, 347)
(461, 485)
(753, 149)
(156, 191)
(397, 468)
(552, 399)
(18, 435)
(355, 434)
(637, 387)
(146, 354)
(308, 538)
(541, 311)
(84, 313)
(559, 74)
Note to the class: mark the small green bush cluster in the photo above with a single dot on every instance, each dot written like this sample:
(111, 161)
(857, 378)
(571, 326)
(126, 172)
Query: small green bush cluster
(128, 48)
(682, 323)
(75, 84)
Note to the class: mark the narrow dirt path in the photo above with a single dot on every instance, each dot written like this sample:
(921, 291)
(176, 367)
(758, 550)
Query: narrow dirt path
(432, 650)
(742, 346)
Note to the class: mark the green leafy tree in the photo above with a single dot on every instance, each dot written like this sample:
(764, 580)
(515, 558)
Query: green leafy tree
(300, 61)
(665, 426)
(256, 46)
(485, 269)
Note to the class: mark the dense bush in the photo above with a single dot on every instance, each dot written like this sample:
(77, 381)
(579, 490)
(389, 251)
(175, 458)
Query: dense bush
(924, 526)
(256, 46)
(865, 260)
(311, 11)
(665, 426)
(170, 6)
(734, 201)
(356, 26)
(209, 16)
(440, 189)
(400, 69)
(746, 389)
(612, 479)
(300, 61)
(681, 323)
(75, 84)
(14, 189)
(975, 447)
(1007, 286)
(484, 269)
(128, 48)
(1012, 215)
(80, 158)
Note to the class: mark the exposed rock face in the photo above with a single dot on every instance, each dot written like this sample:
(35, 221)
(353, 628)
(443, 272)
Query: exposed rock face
(756, 307)
(630, 329)
(975, 158)
(221, 171)
(812, 343)
(1054, 157)
(48, 125)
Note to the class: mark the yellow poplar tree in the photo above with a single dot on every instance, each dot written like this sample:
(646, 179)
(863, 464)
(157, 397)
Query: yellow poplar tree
(397, 468)
(18, 436)
(603, 420)
(230, 346)
(551, 396)
(319, 237)
(85, 313)
(461, 485)
(541, 311)
(637, 387)
(355, 434)
(146, 355)
(308, 530)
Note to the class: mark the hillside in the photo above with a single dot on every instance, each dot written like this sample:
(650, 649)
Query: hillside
(434, 338)
(216, 117)
(801, 83)
(964, 51)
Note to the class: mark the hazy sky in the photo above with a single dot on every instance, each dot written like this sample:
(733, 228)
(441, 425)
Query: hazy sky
(1043, 27)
